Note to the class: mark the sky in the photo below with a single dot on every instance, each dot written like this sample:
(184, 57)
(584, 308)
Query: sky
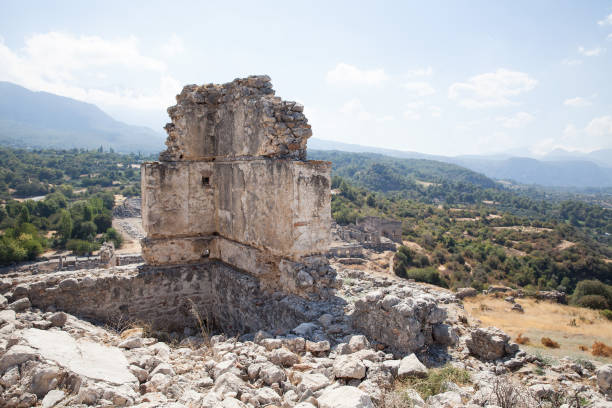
(437, 77)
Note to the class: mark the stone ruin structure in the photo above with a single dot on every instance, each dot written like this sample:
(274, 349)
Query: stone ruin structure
(376, 233)
(234, 186)
(382, 227)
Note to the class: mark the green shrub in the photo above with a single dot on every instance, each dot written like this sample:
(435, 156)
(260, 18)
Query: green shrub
(113, 235)
(592, 288)
(436, 379)
(593, 302)
(80, 247)
(606, 313)
(427, 275)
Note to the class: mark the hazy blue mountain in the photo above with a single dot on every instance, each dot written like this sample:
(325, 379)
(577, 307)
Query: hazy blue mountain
(601, 157)
(560, 169)
(566, 173)
(42, 119)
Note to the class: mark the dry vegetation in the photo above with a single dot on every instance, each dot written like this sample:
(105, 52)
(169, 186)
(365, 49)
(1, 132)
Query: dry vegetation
(571, 328)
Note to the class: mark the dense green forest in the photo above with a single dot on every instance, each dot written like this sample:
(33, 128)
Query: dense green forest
(73, 193)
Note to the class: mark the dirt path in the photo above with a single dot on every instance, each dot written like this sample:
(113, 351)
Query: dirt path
(131, 231)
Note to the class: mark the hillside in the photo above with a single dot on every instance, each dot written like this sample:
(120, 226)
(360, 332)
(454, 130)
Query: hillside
(558, 173)
(41, 119)
(558, 169)
(384, 173)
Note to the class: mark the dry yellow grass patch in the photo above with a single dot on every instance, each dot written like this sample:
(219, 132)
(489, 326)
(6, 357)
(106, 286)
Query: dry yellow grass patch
(568, 325)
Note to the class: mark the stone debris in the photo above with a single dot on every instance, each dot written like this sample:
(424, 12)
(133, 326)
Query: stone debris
(71, 362)
(490, 343)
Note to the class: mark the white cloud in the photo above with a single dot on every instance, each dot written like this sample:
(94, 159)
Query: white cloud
(345, 73)
(577, 102)
(606, 21)
(84, 68)
(411, 114)
(597, 134)
(610, 37)
(416, 110)
(355, 109)
(420, 72)
(594, 52)
(492, 89)
(571, 62)
(418, 89)
(435, 111)
(600, 127)
(173, 46)
(516, 121)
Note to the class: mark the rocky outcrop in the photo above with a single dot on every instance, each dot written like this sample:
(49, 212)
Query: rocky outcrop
(490, 343)
(604, 378)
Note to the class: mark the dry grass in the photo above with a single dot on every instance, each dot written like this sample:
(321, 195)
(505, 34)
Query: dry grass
(550, 343)
(601, 349)
(568, 325)
(520, 339)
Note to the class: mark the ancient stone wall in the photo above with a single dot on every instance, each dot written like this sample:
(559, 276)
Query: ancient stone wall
(166, 297)
(233, 186)
(384, 227)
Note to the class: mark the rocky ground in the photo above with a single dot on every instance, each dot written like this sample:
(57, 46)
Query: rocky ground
(49, 358)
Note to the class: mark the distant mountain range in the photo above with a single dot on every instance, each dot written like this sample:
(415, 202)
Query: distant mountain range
(42, 119)
(557, 169)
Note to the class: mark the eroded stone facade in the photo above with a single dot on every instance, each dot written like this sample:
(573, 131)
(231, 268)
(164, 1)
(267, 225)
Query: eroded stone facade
(233, 186)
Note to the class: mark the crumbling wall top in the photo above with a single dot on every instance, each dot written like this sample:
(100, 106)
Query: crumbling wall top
(241, 118)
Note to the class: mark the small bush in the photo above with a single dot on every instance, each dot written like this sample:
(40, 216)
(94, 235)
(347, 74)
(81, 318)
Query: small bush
(593, 302)
(550, 343)
(520, 339)
(606, 314)
(601, 349)
(583, 348)
(80, 247)
(436, 378)
(427, 275)
(587, 288)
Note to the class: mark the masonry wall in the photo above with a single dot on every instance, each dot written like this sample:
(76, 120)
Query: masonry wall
(164, 297)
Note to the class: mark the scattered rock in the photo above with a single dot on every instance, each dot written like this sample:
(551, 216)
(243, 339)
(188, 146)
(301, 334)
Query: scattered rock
(489, 343)
(20, 305)
(52, 398)
(604, 378)
(347, 366)
(345, 397)
(410, 366)
(58, 319)
(463, 293)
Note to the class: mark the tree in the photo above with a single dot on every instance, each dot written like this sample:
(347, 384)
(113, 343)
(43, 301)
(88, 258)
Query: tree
(64, 229)
(113, 235)
(87, 212)
(24, 215)
(103, 222)
(87, 230)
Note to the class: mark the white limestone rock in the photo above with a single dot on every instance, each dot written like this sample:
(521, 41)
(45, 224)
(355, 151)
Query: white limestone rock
(604, 378)
(347, 366)
(52, 398)
(448, 399)
(344, 397)
(410, 366)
